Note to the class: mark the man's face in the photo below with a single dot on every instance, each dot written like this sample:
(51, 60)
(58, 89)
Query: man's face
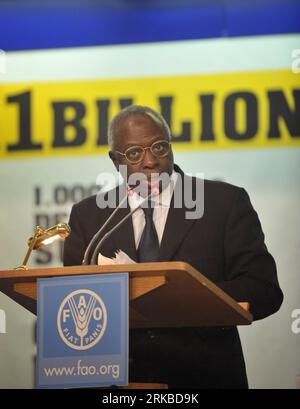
(140, 130)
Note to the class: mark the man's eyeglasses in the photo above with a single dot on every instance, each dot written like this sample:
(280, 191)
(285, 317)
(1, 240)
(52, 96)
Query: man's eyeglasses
(136, 154)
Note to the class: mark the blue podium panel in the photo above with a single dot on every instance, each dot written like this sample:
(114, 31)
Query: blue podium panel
(82, 331)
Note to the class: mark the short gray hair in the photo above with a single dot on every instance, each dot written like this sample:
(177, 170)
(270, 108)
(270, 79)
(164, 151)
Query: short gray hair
(132, 110)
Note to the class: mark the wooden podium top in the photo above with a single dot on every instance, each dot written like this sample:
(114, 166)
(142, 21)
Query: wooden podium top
(162, 295)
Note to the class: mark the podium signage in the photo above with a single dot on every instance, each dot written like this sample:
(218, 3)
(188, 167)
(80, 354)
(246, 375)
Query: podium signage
(82, 331)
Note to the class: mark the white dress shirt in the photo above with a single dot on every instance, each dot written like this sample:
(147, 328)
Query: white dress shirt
(160, 212)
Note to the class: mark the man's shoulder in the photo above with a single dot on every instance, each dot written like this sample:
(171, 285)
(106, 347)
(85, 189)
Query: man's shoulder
(92, 203)
(220, 187)
(220, 198)
(213, 187)
(217, 187)
(86, 204)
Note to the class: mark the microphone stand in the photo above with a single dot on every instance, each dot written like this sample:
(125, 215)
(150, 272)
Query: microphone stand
(97, 235)
(96, 251)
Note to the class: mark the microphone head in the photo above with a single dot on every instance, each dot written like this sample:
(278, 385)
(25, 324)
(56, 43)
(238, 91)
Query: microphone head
(130, 191)
(155, 191)
(144, 191)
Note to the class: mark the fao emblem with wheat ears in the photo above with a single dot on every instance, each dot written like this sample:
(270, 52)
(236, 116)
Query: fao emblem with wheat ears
(82, 319)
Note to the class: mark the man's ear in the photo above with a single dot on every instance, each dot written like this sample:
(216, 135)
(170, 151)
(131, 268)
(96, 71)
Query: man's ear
(113, 157)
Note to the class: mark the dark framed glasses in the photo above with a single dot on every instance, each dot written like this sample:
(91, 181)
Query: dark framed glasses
(136, 154)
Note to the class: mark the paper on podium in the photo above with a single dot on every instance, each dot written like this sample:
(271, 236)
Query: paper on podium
(120, 258)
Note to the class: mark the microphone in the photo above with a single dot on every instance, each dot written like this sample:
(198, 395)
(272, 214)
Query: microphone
(107, 235)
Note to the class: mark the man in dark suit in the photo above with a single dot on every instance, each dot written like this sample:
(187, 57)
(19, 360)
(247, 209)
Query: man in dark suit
(226, 244)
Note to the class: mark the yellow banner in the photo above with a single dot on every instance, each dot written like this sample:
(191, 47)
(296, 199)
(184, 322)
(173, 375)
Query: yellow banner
(220, 111)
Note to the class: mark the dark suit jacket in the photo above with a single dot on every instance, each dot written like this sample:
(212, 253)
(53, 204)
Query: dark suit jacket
(226, 245)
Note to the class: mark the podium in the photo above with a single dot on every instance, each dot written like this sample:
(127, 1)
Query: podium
(162, 295)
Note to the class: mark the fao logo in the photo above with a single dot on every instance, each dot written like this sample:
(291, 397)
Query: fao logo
(82, 319)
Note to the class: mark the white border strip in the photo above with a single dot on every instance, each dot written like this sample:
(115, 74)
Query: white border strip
(151, 60)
